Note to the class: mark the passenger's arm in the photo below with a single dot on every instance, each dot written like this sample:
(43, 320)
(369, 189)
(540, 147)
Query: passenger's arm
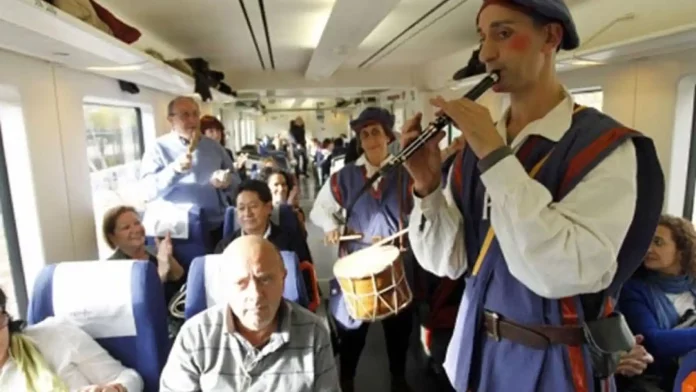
(325, 374)
(94, 363)
(156, 176)
(664, 344)
(436, 233)
(570, 247)
(176, 272)
(324, 207)
(181, 372)
(168, 267)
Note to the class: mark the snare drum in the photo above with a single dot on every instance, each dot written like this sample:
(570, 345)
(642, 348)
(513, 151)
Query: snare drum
(373, 282)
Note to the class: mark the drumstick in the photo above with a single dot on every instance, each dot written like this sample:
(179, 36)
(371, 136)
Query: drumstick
(350, 237)
(391, 237)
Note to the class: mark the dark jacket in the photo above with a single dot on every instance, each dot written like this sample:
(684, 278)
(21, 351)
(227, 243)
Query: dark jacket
(297, 134)
(293, 242)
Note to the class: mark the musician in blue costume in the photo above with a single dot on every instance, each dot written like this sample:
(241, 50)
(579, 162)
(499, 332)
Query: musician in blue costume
(378, 213)
(545, 213)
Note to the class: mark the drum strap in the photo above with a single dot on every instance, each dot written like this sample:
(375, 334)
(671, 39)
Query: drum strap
(401, 210)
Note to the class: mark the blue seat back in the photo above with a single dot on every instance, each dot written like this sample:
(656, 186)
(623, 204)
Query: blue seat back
(205, 285)
(120, 303)
(283, 216)
(687, 365)
(197, 244)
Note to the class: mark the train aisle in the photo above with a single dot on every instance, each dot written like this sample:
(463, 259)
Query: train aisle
(373, 369)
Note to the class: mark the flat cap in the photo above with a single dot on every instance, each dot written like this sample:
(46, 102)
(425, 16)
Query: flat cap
(375, 115)
(551, 10)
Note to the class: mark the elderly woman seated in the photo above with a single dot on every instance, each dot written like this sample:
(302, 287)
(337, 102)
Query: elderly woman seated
(124, 233)
(57, 356)
(659, 301)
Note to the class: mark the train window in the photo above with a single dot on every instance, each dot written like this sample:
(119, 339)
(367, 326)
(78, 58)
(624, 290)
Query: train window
(690, 191)
(11, 271)
(114, 151)
(593, 98)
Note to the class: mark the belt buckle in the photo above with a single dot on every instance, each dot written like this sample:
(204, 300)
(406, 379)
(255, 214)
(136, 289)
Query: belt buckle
(495, 334)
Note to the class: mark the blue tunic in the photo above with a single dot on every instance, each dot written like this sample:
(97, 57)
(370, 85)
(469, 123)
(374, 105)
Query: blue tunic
(478, 363)
(376, 213)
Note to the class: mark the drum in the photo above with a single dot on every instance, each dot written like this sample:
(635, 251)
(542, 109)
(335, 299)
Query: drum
(373, 282)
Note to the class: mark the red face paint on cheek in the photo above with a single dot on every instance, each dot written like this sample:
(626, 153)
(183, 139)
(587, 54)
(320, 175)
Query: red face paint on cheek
(519, 42)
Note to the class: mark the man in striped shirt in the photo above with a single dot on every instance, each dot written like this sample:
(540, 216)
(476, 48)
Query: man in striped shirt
(257, 341)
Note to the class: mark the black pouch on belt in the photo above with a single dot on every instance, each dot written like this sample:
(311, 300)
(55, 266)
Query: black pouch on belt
(607, 338)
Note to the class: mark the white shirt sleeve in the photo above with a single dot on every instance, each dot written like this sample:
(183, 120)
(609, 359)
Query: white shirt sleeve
(439, 244)
(324, 207)
(78, 359)
(570, 247)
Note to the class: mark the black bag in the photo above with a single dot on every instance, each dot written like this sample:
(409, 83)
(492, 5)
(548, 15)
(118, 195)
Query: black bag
(607, 339)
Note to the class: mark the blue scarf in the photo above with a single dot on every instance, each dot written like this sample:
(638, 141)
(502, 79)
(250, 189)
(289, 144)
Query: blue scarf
(660, 285)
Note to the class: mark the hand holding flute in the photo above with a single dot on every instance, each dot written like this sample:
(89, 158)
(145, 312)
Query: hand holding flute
(419, 147)
(424, 165)
(474, 121)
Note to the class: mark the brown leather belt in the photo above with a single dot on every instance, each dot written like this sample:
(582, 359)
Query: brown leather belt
(534, 336)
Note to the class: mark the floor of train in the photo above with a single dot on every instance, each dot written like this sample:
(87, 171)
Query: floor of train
(373, 369)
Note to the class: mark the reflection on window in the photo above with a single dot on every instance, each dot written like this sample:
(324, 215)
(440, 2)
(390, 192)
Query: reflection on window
(589, 98)
(114, 150)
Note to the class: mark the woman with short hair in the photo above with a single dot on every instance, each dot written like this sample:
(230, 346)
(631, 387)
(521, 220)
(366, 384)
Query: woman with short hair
(124, 232)
(378, 213)
(213, 128)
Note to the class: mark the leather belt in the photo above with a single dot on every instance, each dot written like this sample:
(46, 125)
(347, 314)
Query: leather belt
(534, 336)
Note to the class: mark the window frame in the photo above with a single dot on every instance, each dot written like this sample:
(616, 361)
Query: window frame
(14, 255)
(139, 138)
(690, 191)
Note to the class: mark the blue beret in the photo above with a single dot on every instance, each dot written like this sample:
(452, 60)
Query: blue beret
(553, 10)
(375, 114)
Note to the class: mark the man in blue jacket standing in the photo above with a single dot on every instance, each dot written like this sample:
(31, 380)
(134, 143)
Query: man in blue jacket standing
(184, 168)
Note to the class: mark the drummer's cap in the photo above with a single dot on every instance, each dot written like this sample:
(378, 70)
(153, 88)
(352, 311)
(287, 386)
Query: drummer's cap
(546, 11)
(375, 115)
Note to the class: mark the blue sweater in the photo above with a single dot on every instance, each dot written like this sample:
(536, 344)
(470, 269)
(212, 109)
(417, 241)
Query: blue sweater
(160, 181)
(641, 314)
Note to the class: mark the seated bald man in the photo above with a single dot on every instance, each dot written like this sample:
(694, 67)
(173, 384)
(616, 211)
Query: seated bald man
(257, 341)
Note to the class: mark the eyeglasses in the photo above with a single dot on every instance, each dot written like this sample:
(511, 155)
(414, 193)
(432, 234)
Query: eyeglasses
(186, 115)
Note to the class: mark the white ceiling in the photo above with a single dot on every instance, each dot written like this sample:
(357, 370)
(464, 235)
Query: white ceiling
(217, 30)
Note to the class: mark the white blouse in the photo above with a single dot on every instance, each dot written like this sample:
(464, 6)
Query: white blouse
(326, 205)
(682, 302)
(556, 249)
(75, 357)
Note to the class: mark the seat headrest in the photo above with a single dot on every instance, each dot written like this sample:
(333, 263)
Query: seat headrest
(96, 296)
(214, 280)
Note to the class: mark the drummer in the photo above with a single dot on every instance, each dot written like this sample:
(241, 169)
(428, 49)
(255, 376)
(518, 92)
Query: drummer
(377, 214)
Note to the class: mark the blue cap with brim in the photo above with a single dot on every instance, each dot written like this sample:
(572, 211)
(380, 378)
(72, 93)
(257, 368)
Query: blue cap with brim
(553, 10)
(375, 115)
